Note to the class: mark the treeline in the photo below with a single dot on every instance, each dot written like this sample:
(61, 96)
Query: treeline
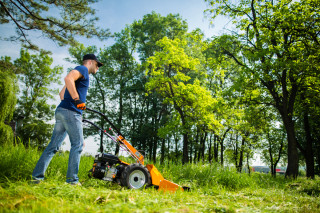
(180, 97)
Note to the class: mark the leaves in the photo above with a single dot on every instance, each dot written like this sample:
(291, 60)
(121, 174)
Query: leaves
(60, 21)
(170, 76)
(8, 90)
(36, 89)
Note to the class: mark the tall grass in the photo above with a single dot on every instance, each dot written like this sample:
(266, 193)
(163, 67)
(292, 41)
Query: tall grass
(213, 189)
(215, 176)
(18, 162)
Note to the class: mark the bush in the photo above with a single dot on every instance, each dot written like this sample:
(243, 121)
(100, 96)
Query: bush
(6, 134)
(8, 88)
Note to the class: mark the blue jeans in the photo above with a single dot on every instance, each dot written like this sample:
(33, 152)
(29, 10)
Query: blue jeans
(67, 122)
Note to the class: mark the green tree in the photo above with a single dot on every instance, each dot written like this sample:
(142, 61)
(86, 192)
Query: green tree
(233, 89)
(307, 124)
(170, 77)
(152, 28)
(222, 78)
(151, 113)
(8, 90)
(60, 21)
(273, 51)
(33, 110)
(306, 28)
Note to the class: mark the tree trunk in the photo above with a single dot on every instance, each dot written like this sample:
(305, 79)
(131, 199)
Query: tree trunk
(293, 158)
(162, 151)
(240, 165)
(120, 114)
(185, 158)
(235, 152)
(309, 155)
(150, 149)
(176, 140)
(192, 152)
(210, 149)
(185, 149)
(196, 148)
(169, 156)
(248, 165)
(203, 145)
(215, 148)
(273, 174)
(318, 158)
(221, 152)
(154, 151)
(185, 154)
(102, 120)
(284, 103)
(278, 159)
(221, 140)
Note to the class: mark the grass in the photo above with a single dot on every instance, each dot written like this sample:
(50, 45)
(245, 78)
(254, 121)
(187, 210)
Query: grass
(214, 189)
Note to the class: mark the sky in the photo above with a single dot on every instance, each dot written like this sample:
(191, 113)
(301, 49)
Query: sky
(115, 15)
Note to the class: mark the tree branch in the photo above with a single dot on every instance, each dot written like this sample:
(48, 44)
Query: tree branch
(237, 11)
(234, 58)
(30, 13)
(15, 21)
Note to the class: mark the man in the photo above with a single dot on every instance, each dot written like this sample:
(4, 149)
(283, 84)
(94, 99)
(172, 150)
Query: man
(68, 117)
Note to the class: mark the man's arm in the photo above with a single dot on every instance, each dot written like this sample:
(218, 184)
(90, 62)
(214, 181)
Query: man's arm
(61, 93)
(70, 83)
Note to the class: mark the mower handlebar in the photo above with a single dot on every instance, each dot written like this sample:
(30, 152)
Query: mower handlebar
(106, 118)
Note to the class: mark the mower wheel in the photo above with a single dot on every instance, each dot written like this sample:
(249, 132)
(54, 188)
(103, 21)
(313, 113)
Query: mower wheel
(135, 176)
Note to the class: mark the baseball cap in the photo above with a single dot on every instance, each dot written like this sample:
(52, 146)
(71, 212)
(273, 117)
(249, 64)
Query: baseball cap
(92, 57)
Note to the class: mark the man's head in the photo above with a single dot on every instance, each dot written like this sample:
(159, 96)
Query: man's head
(91, 61)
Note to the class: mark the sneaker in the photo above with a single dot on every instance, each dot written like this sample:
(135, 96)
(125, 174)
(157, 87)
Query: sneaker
(76, 184)
(34, 181)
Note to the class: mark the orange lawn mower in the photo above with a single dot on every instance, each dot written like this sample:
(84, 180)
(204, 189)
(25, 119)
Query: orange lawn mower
(109, 167)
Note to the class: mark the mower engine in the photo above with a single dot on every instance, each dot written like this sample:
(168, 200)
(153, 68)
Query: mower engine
(104, 167)
(109, 167)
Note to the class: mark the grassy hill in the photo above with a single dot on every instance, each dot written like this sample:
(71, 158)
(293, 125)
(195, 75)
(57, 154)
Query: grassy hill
(214, 189)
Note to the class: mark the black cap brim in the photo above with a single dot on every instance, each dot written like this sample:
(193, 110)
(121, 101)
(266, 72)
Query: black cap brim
(99, 63)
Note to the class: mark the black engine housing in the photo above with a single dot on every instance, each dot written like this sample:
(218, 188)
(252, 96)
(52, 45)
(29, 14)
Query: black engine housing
(101, 164)
(108, 158)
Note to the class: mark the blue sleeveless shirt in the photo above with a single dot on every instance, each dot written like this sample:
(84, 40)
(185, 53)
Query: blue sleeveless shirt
(82, 85)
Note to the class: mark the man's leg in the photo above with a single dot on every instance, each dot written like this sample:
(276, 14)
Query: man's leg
(58, 135)
(75, 132)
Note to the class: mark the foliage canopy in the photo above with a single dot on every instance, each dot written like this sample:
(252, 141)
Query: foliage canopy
(61, 21)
